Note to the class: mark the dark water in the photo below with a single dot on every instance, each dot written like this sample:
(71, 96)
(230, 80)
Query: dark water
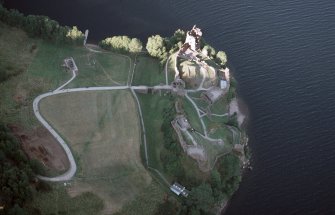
(283, 56)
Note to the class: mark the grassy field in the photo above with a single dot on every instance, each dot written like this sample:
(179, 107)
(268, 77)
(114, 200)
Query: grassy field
(148, 72)
(152, 108)
(37, 68)
(147, 201)
(102, 128)
(16, 51)
(101, 69)
(192, 116)
(58, 201)
(171, 68)
(41, 72)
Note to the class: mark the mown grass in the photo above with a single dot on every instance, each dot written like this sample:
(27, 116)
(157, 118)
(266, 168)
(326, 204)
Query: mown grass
(148, 72)
(101, 69)
(105, 135)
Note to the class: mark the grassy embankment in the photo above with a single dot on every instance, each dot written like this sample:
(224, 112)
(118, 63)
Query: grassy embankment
(152, 109)
(171, 63)
(153, 106)
(39, 65)
(40, 72)
(108, 157)
(101, 69)
(148, 72)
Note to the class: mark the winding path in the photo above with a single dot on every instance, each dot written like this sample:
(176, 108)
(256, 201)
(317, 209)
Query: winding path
(60, 90)
(73, 167)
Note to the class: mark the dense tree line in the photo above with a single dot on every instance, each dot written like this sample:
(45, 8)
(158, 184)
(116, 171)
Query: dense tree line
(160, 47)
(41, 27)
(122, 44)
(17, 176)
(203, 198)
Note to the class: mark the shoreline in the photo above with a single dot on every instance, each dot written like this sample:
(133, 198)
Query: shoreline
(237, 106)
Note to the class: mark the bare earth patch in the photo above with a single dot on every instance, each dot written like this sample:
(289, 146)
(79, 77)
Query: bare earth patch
(39, 144)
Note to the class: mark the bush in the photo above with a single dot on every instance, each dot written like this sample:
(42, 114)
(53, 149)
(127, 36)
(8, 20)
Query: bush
(221, 58)
(156, 47)
(122, 44)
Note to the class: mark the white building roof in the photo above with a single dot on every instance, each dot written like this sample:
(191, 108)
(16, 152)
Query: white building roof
(223, 84)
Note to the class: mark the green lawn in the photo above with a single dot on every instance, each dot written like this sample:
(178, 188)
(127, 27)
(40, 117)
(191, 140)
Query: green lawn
(16, 51)
(152, 108)
(148, 72)
(192, 115)
(105, 137)
(42, 73)
(220, 106)
(101, 69)
(171, 68)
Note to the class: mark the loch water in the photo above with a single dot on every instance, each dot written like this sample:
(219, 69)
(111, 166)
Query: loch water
(282, 54)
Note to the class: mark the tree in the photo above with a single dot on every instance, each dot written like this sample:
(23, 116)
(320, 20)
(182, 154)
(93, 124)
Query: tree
(156, 47)
(16, 175)
(41, 26)
(135, 45)
(168, 207)
(122, 44)
(215, 179)
(209, 50)
(230, 171)
(201, 198)
(221, 58)
(17, 210)
(75, 35)
(176, 41)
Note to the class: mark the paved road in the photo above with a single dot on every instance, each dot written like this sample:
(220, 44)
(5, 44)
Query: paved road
(73, 167)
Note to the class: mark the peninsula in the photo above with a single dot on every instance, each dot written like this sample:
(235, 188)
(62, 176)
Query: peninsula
(117, 128)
